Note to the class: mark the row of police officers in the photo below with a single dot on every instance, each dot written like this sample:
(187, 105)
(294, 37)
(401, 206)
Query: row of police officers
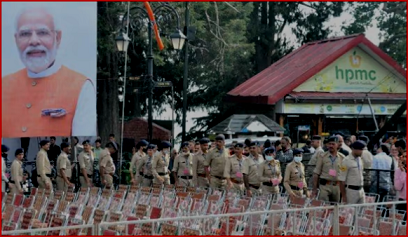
(334, 175)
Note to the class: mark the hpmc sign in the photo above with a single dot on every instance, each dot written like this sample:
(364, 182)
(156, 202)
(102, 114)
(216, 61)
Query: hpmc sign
(355, 71)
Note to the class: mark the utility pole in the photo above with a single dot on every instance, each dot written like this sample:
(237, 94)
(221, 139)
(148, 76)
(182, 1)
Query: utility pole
(185, 78)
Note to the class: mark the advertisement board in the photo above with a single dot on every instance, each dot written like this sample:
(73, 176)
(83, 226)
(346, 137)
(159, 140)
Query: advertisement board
(49, 52)
(355, 71)
(340, 109)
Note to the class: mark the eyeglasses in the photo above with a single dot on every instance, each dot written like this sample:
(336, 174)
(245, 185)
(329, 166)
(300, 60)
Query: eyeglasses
(41, 33)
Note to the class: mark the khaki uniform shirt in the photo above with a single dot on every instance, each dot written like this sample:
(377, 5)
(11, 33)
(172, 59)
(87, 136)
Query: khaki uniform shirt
(106, 162)
(216, 160)
(64, 163)
(351, 171)
(160, 164)
(145, 164)
(43, 164)
(268, 170)
(325, 163)
(259, 160)
(233, 168)
(294, 173)
(183, 165)
(137, 157)
(198, 163)
(250, 168)
(17, 173)
(86, 161)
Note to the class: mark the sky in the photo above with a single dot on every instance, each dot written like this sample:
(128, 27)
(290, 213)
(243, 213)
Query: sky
(334, 23)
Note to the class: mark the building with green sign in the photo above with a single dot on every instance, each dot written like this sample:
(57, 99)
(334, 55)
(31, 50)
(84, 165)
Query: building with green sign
(328, 85)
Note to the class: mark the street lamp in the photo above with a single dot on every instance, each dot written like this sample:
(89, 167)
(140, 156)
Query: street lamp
(122, 43)
(178, 39)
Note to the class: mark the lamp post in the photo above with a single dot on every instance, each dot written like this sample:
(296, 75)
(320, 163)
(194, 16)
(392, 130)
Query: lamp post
(122, 42)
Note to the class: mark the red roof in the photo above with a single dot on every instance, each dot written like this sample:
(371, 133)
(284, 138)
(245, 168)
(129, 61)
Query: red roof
(282, 77)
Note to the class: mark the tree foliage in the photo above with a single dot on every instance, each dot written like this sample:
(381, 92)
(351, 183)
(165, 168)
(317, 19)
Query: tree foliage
(391, 18)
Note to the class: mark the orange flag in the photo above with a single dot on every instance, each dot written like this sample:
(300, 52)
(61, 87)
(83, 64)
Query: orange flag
(156, 29)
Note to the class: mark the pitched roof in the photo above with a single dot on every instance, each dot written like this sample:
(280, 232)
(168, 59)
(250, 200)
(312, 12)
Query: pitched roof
(240, 123)
(282, 77)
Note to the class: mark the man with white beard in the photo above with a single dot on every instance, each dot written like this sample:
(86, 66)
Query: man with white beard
(45, 97)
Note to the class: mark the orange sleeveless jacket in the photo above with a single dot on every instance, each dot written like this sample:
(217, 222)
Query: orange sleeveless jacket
(24, 98)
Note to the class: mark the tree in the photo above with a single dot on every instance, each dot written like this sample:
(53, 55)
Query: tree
(269, 19)
(391, 20)
(107, 73)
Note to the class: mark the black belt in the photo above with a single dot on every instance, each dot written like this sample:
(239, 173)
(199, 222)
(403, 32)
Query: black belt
(328, 182)
(185, 177)
(295, 188)
(162, 174)
(202, 175)
(268, 184)
(253, 186)
(219, 177)
(354, 187)
(141, 173)
(48, 175)
(148, 176)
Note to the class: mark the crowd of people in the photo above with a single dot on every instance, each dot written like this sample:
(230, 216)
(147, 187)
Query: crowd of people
(342, 169)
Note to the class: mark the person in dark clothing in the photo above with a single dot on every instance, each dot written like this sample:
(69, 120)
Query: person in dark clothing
(54, 150)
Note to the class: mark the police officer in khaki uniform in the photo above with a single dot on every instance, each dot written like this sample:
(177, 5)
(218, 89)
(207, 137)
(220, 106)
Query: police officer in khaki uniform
(64, 169)
(43, 166)
(86, 160)
(316, 144)
(160, 165)
(367, 158)
(215, 164)
(106, 165)
(183, 167)
(351, 175)
(270, 173)
(294, 181)
(144, 168)
(254, 152)
(137, 158)
(199, 177)
(233, 170)
(17, 173)
(250, 171)
(326, 171)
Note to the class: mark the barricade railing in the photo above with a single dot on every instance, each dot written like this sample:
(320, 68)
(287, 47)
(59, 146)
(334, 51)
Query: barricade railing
(313, 210)
(62, 229)
(206, 220)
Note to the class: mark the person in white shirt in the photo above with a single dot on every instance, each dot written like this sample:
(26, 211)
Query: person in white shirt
(381, 180)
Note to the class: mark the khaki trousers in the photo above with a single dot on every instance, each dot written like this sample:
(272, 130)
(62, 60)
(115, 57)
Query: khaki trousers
(202, 182)
(256, 192)
(41, 182)
(13, 188)
(61, 184)
(147, 182)
(355, 196)
(266, 190)
(83, 182)
(329, 193)
(185, 182)
(109, 180)
(217, 183)
(165, 182)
